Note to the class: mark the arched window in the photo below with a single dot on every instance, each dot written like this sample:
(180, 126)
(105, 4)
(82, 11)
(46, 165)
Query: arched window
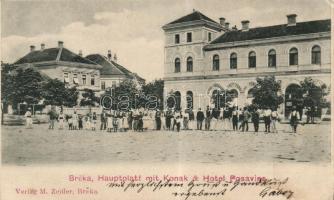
(177, 65)
(234, 93)
(215, 63)
(272, 58)
(189, 64)
(252, 59)
(293, 56)
(316, 55)
(190, 100)
(177, 96)
(233, 61)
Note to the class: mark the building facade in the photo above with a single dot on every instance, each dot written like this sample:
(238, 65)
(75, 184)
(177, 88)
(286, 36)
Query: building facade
(95, 71)
(203, 56)
(62, 64)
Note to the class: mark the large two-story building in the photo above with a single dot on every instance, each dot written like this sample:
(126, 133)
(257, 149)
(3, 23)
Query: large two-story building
(95, 71)
(203, 56)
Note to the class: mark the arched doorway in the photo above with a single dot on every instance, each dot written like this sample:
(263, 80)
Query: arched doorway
(174, 101)
(293, 98)
(190, 100)
(220, 99)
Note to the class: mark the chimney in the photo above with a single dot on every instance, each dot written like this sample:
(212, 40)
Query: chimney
(80, 53)
(245, 25)
(234, 28)
(109, 55)
(115, 58)
(60, 44)
(292, 19)
(227, 25)
(42, 46)
(222, 21)
(32, 48)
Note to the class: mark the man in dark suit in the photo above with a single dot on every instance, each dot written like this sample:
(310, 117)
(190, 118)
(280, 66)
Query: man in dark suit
(199, 118)
(103, 120)
(207, 118)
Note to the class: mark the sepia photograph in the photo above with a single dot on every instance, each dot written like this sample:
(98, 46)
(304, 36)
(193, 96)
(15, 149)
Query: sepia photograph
(166, 82)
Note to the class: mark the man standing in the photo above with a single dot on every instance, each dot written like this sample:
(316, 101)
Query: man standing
(191, 119)
(52, 118)
(247, 116)
(168, 119)
(235, 118)
(207, 118)
(158, 119)
(256, 119)
(294, 116)
(103, 120)
(199, 119)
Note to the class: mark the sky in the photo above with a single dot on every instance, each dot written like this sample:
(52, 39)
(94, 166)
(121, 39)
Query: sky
(130, 28)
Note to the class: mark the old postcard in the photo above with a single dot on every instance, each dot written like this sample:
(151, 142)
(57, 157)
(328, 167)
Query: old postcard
(166, 99)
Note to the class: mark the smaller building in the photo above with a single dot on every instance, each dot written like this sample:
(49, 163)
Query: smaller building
(112, 73)
(62, 64)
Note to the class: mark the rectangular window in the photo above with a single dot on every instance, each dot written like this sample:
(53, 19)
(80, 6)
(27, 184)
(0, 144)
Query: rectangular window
(209, 36)
(92, 80)
(177, 39)
(189, 37)
(66, 78)
(103, 85)
(84, 79)
(75, 79)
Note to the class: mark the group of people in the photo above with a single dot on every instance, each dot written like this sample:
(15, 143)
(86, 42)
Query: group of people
(223, 119)
(227, 119)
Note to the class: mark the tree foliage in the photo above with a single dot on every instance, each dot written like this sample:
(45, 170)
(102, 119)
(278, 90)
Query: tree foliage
(314, 93)
(89, 98)
(21, 84)
(266, 92)
(131, 94)
(155, 89)
(55, 92)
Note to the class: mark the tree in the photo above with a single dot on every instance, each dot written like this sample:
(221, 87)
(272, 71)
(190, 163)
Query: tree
(21, 85)
(266, 92)
(55, 92)
(127, 95)
(89, 99)
(314, 93)
(155, 89)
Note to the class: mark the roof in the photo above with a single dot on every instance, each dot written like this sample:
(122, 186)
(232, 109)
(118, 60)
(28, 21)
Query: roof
(194, 16)
(53, 54)
(107, 67)
(275, 31)
(111, 67)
